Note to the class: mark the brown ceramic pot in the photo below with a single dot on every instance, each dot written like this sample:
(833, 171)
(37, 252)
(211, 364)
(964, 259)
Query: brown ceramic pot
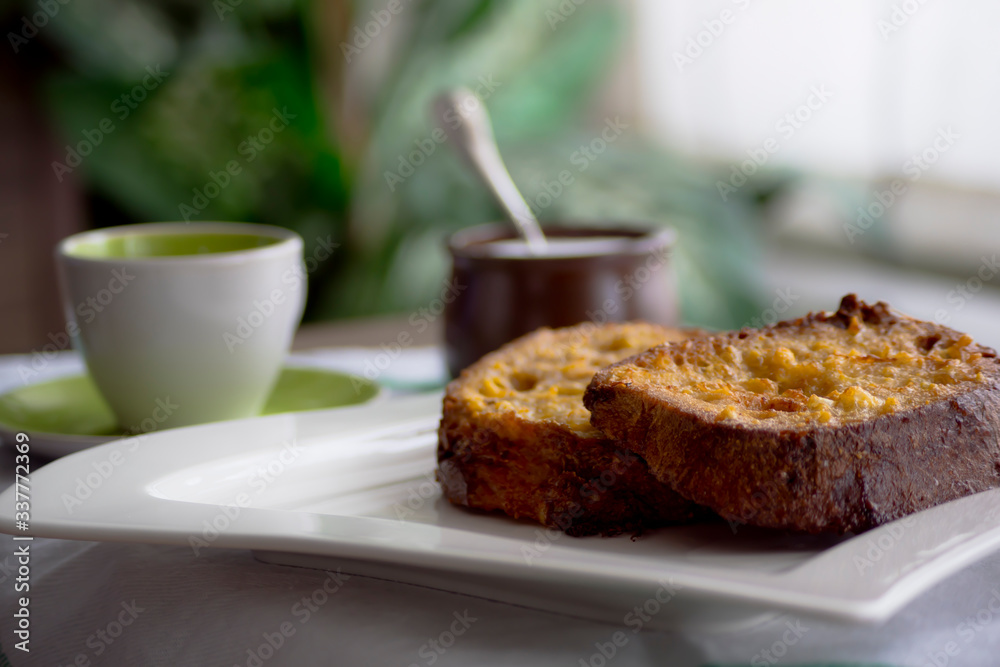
(503, 295)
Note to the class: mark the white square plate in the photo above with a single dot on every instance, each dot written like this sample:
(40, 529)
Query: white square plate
(353, 488)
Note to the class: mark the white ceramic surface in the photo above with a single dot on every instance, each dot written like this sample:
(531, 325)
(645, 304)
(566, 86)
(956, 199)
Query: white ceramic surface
(179, 340)
(354, 487)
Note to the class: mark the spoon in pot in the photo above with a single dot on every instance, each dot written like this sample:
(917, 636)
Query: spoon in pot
(464, 119)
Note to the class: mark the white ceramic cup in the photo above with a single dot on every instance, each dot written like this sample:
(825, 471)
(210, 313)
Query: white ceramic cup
(183, 323)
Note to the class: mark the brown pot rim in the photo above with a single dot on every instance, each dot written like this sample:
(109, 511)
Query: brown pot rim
(647, 238)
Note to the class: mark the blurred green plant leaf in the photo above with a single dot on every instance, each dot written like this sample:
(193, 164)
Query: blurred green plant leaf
(205, 143)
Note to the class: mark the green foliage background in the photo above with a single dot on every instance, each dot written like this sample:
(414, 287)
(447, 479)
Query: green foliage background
(231, 65)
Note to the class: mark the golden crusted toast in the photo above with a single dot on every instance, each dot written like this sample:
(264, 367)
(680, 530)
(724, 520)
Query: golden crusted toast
(833, 422)
(515, 436)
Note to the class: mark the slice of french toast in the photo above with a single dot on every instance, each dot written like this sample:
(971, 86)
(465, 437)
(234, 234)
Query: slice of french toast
(833, 422)
(515, 436)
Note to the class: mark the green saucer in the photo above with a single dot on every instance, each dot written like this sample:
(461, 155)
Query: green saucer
(71, 410)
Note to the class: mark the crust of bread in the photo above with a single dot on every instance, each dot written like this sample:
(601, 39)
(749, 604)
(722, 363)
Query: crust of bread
(849, 475)
(502, 455)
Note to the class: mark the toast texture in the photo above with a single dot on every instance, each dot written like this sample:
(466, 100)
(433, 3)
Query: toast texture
(515, 436)
(834, 422)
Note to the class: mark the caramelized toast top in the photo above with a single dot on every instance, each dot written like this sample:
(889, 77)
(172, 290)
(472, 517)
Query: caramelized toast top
(542, 376)
(823, 370)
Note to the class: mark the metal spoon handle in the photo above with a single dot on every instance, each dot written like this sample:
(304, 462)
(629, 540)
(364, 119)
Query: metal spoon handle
(465, 120)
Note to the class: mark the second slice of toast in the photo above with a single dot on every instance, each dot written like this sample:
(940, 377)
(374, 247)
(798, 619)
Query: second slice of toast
(834, 422)
(515, 436)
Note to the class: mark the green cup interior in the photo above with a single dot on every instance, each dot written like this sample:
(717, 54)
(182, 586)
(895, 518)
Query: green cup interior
(140, 245)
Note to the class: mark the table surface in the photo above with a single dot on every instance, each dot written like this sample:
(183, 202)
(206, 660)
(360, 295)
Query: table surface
(365, 332)
(121, 604)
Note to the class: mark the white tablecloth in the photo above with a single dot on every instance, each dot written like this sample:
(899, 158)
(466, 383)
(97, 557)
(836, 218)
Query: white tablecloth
(122, 604)
(117, 604)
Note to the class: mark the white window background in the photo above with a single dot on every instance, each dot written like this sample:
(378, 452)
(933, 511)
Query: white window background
(898, 73)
